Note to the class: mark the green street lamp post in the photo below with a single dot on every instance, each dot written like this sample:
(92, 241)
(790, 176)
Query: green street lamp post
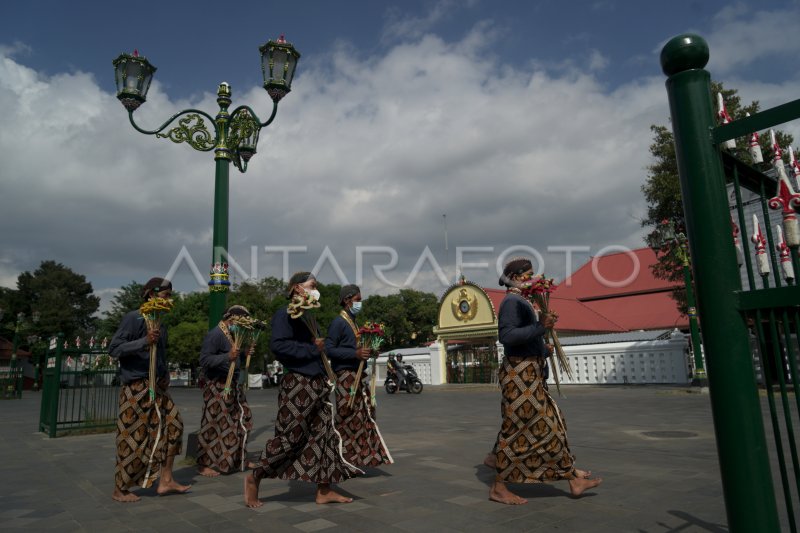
(234, 138)
(678, 244)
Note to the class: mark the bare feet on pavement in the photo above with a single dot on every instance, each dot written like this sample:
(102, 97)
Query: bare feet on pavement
(251, 492)
(171, 487)
(501, 494)
(578, 485)
(124, 496)
(327, 495)
(207, 472)
(585, 474)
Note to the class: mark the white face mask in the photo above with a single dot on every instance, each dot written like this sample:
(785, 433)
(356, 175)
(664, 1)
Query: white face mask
(356, 307)
(314, 293)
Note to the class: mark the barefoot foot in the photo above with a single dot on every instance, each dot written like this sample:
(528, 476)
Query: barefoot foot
(166, 488)
(207, 472)
(578, 485)
(251, 492)
(501, 494)
(583, 474)
(124, 496)
(327, 495)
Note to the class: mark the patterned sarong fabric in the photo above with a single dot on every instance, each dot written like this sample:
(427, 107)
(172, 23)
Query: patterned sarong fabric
(362, 443)
(532, 444)
(306, 445)
(224, 427)
(147, 433)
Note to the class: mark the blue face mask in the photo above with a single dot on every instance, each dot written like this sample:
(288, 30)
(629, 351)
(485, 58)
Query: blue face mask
(356, 307)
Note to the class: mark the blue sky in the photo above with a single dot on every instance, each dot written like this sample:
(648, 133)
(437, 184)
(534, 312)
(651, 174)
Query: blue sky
(526, 122)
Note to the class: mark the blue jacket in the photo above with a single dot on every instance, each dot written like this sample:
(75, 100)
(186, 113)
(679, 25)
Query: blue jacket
(519, 332)
(340, 345)
(214, 356)
(293, 345)
(129, 345)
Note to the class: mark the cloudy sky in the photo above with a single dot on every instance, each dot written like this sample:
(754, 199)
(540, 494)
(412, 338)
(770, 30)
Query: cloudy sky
(526, 123)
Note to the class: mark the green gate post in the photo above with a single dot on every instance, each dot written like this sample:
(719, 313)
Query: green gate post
(744, 463)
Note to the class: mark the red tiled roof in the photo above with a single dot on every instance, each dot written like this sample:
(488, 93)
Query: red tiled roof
(594, 299)
(614, 275)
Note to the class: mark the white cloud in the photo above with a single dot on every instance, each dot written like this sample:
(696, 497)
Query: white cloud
(744, 34)
(365, 151)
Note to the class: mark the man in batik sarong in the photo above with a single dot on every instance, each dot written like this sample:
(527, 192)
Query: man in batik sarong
(149, 431)
(226, 420)
(306, 445)
(363, 444)
(531, 446)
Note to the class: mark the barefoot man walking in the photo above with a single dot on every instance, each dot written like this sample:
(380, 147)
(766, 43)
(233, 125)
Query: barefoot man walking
(531, 446)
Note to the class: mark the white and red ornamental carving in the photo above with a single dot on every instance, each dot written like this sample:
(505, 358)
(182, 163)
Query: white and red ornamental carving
(783, 252)
(754, 148)
(786, 199)
(762, 259)
(724, 118)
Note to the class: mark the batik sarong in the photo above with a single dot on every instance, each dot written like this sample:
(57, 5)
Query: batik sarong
(224, 427)
(147, 434)
(362, 443)
(532, 444)
(306, 445)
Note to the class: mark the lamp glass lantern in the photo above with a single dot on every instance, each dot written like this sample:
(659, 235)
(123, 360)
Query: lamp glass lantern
(278, 63)
(133, 74)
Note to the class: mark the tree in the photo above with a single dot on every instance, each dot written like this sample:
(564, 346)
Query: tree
(63, 299)
(408, 316)
(184, 341)
(663, 193)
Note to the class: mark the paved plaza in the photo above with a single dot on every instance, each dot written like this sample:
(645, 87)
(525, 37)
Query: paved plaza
(653, 446)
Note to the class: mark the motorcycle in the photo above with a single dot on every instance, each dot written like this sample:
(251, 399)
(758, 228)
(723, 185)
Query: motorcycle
(411, 383)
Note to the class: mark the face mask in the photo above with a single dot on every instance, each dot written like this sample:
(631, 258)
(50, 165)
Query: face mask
(356, 307)
(314, 294)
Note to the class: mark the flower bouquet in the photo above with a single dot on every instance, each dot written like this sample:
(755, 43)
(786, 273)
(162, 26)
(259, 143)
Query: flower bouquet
(297, 309)
(370, 336)
(538, 290)
(239, 332)
(153, 311)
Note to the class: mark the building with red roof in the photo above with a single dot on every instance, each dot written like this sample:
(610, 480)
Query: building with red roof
(612, 294)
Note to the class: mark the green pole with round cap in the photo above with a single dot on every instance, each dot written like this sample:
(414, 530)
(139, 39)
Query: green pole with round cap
(738, 423)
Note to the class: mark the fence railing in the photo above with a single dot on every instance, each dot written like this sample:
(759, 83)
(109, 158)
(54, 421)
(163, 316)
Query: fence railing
(80, 389)
(11, 382)
(737, 305)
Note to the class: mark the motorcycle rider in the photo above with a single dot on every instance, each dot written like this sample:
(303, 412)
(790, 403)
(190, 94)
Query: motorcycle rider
(397, 366)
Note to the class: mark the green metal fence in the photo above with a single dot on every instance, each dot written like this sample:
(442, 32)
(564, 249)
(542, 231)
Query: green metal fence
(750, 316)
(11, 383)
(472, 365)
(80, 390)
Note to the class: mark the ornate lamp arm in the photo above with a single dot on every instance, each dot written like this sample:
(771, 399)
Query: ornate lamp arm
(192, 130)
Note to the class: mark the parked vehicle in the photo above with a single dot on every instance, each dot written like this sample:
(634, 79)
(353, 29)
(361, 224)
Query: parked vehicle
(400, 376)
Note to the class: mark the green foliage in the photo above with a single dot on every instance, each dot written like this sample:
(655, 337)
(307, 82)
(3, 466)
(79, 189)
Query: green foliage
(409, 316)
(184, 341)
(63, 299)
(662, 186)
